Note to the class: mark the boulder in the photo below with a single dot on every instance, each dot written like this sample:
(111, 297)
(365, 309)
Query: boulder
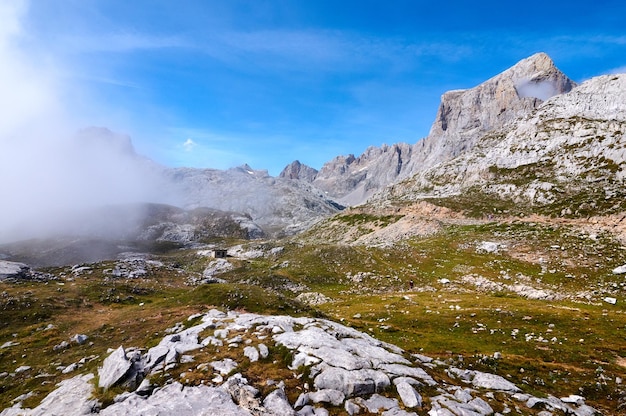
(276, 404)
(114, 368)
(252, 353)
(410, 398)
(80, 339)
(493, 382)
(13, 270)
(352, 383)
(313, 298)
(263, 350)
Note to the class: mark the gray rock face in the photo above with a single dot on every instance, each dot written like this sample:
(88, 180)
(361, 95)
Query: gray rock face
(20, 271)
(10, 269)
(465, 115)
(352, 180)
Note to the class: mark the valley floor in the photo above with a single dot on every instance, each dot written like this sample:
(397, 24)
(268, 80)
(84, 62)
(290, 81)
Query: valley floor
(538, 301)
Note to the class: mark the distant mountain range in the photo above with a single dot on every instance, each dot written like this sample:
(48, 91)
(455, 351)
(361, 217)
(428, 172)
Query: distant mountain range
(529, 137)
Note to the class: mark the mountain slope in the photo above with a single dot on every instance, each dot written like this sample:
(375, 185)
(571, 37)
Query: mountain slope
(566, 158)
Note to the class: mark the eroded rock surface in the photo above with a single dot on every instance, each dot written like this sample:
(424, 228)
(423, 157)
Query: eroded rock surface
(324, 365)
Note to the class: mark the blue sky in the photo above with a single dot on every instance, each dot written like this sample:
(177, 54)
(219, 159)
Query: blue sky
(219, 83)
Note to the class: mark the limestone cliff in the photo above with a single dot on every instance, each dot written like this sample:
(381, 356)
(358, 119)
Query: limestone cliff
(566, 158)
(463, 117)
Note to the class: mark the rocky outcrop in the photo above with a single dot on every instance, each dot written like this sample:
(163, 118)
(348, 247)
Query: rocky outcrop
(11, 269)
(331, 365)
(172, 224)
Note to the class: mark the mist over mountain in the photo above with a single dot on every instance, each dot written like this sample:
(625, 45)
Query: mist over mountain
(59, 186)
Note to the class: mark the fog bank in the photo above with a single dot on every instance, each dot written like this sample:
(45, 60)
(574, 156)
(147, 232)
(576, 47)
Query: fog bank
(51, 176)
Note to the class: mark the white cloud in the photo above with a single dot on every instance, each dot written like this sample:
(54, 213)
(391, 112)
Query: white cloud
(189, 145)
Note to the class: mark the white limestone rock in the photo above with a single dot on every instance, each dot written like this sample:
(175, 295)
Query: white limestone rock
(72, 397)
(406, 371)
(276, 404)
(493, 382)
(114, 368)
(334, 397)
(620, 269)
(175, 399)
(609, 299)
(410, 398)
(263, 350)
(352, 383)
(225, 366)
(251, 353)
(357, 388)
(377, 403)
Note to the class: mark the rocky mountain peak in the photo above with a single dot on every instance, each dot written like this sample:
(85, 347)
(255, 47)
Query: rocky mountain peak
(464, 114)
(297, 170)
(352, 179)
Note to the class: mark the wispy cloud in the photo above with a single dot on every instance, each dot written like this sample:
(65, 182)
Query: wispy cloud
(619, 70)
(121, 42)
(325, 50)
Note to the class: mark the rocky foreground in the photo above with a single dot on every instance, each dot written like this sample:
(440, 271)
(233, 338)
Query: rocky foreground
(247, 364)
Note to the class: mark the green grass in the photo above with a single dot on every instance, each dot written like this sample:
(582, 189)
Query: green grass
(456, 322)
